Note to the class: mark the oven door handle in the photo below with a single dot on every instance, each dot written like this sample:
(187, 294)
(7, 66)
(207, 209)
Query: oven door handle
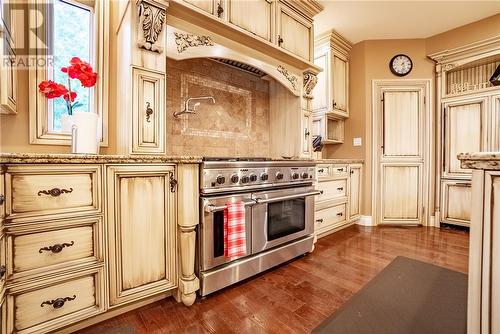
(213, 208)
(284, 198)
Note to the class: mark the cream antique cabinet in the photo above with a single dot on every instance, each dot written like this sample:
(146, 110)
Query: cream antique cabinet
(339, 203)
(484, 265)
(8, 73)
(285, 23)
(85, 238)
(469, 121)
(331, 94)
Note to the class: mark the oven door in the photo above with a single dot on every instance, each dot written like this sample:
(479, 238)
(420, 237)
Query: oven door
(281, 216)
(211, 239)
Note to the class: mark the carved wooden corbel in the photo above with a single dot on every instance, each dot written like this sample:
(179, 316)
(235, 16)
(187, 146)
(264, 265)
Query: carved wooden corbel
(151, 21)
(310, 81)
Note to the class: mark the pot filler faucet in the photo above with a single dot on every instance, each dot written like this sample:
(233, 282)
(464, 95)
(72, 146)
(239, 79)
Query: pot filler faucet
(187, 110)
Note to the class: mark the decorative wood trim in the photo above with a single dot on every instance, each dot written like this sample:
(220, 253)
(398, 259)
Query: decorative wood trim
(152, 19)
(310, 81)
(185, 41)
(290, 77)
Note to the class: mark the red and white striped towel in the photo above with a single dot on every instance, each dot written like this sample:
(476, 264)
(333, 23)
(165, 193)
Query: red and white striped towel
(234, 230)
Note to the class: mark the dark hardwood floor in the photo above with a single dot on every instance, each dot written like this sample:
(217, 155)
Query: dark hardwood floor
(297, 296)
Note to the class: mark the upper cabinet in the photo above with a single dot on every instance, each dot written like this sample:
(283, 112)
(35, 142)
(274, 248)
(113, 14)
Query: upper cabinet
(285, 23)
(295, 32)
(259, 23)
(331, 94)
(8, 73)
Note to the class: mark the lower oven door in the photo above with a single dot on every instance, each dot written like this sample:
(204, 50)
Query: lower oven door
(211, 238)
(281, 216)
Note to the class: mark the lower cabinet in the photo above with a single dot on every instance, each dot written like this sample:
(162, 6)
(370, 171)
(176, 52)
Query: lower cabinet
(40, 307)
(339, 204)
(141, 232)
(456, 206)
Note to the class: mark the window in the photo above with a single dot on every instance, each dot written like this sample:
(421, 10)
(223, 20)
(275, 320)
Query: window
(74, 28)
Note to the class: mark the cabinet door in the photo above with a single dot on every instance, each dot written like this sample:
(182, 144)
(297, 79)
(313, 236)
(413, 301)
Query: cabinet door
(205, 5)
(354, 191)
(141, 232)
(3, 268)
(321, 92)
(495, 124)
(259, 22)
(457, 202)
(148, 112)
(340, 77)
(465, 131)
(294, 32)
(8, 74)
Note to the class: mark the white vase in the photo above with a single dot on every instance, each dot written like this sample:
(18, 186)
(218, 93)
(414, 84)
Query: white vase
(83, 127)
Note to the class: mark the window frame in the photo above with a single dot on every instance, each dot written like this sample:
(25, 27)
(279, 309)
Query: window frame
(39, 104)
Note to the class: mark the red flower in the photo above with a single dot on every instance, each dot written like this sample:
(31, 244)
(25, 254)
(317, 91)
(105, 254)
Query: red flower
(82, 71)
(52, 89)
(70, 96)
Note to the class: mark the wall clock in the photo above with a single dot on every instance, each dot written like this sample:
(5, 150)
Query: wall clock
(400, 65)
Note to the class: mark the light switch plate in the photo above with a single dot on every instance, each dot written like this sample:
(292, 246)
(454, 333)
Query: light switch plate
(356, 141)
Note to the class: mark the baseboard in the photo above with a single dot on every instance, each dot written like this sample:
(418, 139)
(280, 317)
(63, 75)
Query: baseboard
(365, 221)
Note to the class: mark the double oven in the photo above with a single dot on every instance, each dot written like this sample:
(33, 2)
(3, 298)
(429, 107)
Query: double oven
(278, 197)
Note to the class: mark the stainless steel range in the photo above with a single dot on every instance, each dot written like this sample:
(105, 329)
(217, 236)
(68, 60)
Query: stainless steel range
(279, 215)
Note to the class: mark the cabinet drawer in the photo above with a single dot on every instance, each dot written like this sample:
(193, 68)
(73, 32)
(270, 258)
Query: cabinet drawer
(457, 202)
(59, 303)
(338, 170)
(332, 189)
(55, 247)
(330, 217)
(52, 190)
(322, 171)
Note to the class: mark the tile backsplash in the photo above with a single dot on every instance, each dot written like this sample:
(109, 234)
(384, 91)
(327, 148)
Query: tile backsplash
(236, 125)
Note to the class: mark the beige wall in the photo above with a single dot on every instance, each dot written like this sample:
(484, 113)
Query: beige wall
(369, 61)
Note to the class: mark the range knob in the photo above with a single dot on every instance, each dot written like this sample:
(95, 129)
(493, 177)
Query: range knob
(279, 176)
(234, 178)
(264, 177)
(245, 179)
(220, 179)
(295, 176)
(305, 175)
(253, 177)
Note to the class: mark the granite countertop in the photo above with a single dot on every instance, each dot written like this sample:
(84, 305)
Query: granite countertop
(46, 158)
(340, 161)
(480, 160)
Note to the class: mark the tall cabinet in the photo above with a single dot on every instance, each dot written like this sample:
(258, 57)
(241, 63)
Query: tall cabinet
(469, 122)
(331, 95)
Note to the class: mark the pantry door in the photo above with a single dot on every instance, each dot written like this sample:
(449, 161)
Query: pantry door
(401, 138)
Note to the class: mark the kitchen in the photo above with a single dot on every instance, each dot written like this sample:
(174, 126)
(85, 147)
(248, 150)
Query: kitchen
(248, 172)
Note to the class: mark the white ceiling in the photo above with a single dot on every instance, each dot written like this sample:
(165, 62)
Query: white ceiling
(365, 20)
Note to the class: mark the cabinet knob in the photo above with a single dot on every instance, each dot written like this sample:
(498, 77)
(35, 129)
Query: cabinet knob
(59, 302)
(307, 133)
(280, 40)
(3, 270)
(334, 104)
(220, 10)
(2, 199)
(149, 112)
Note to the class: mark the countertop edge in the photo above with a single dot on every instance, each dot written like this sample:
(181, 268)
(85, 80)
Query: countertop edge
(480, 160)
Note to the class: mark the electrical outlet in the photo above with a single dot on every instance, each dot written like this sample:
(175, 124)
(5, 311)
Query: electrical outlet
(356, 141)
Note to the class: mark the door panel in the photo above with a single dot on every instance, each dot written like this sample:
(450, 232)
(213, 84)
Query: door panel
(321, 101)
(401, 124)
(295, 31)
(457, 201)
(340, 84)
(260, 20)
(354, 191)
(400, 136)
(401, 193)
(495, 124)
(139, 200)
(205, 5)
(464, 132)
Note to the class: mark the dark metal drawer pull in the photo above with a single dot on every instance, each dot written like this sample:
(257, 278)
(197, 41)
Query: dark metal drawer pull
(58, 303)
(321, 170)
(340, 169)
(2, 199)
(54, 192)
(57, 248)
(3, 270)
(319, 220)
(340, 188)
(340, 214)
